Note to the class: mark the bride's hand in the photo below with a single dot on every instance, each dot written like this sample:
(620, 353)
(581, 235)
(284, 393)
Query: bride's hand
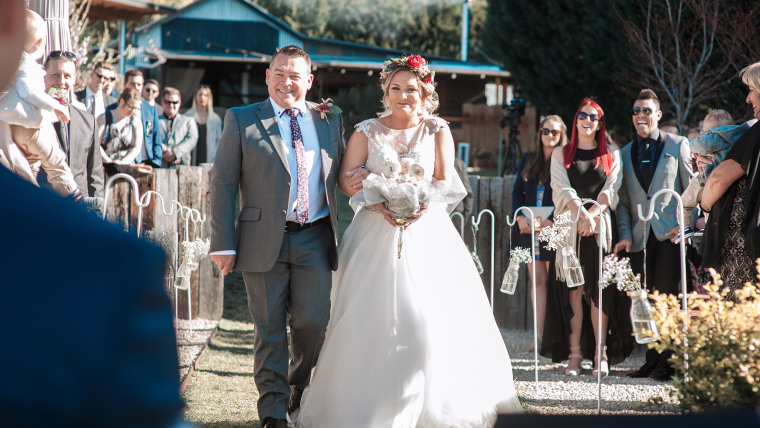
(380, 207)
(414, 216)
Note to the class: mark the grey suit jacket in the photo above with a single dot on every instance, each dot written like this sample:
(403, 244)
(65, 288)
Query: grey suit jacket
(673, 172)
(182, 138)
(82, 154)
(251, 155)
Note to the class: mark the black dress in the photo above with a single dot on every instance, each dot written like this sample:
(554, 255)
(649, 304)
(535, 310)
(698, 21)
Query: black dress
(200, 147)
(587, 178)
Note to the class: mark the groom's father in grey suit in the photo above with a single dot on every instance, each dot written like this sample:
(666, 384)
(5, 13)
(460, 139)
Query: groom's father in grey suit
(654, 160)
(284, 158)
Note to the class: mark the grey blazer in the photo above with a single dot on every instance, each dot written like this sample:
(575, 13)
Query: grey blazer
(673, 172)
(182, 138)
(83, 154)
(251, 155)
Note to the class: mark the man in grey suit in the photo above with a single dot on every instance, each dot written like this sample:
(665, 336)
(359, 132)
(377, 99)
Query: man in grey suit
(179, 131)
(77, 138)
(284, 158)
(654, 160)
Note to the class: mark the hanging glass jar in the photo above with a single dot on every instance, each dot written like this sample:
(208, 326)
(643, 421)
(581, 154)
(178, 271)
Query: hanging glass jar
(644, 327)
(509, 283)
(571, 268)
(182, 279)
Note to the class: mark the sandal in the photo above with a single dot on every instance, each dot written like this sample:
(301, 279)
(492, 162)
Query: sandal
(575, 356)
(532, 346)
(603, 366)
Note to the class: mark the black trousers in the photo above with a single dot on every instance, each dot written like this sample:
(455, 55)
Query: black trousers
(663, 273)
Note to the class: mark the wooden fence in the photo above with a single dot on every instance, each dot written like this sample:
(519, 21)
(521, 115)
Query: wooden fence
(495, 193)
(189, 185)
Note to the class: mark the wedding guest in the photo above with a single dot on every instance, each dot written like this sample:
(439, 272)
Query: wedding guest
(150, 93)
(147, 124)
(78, 139)
(39, 143)
(179, 131)
(111, 87)
(532, 188)
(587, 168)
(694, 133)
(94, 97)
(209, 125)
(654, 160)
(119, 134)
(730, 242)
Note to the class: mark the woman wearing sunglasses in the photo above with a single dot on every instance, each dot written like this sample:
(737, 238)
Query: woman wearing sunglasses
(587, 168)
(532, 189)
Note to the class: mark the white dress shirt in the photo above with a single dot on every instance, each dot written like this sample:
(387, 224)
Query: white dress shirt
(97, 99)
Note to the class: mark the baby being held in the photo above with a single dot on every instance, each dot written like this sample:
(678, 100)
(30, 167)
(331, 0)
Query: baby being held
(41, 145)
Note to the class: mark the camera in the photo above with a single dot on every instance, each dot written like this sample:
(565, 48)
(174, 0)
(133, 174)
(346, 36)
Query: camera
(515, 111)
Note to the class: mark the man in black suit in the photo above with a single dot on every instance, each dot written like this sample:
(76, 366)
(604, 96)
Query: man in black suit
(93, 96)
(78, 138)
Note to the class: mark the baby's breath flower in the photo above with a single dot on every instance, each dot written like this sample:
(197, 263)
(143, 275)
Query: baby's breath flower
(520, 255)
(193, 251)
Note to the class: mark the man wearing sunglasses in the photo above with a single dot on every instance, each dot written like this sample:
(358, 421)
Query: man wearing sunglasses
(93, 96)
(654, 160)
(180, 132)
(150, 95)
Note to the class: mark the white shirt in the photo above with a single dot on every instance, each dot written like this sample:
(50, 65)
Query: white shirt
(139, 124)
(317, 198)
(97, 99)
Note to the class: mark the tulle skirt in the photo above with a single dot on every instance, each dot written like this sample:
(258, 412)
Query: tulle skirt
(411, 341)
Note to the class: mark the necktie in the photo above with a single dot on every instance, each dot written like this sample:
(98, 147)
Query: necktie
(92, 105)
(645, 160)
(302, 195)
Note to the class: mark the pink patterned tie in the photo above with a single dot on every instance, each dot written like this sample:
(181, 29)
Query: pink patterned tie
(302, 195)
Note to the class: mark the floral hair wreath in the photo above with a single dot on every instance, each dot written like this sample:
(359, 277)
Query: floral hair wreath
(414, 63)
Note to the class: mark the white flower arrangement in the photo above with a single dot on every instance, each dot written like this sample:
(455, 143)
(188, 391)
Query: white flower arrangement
(401, 184)
(557, 235)
(194, 251)
(520, 255)
(619, 271)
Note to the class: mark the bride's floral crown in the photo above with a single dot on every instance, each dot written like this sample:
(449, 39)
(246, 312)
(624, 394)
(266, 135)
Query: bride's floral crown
(414, 63)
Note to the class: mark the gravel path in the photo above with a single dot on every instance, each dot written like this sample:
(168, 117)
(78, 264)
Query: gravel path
(556, 393)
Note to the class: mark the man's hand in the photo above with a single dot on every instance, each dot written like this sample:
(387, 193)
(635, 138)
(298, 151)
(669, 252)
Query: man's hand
(225, 262)
(168, 156)
(673, 233)
(623, 244)
(523, 225)
(356, 176)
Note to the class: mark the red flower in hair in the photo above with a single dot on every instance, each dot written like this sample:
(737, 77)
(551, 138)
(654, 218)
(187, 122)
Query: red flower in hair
(415, 61)
(428, 78)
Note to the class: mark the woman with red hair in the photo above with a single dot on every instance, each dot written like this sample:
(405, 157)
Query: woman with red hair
(587, 168)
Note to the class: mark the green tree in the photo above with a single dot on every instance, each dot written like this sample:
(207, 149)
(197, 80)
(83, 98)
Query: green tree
(560, 51)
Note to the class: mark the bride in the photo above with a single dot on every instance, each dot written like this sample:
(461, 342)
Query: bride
(411, 340)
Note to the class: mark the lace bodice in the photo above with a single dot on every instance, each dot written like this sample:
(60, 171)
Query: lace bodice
(417, 143)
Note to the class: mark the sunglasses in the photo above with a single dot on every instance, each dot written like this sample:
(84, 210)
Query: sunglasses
(150, 90)
(203, 86)
(101, 77)
(57, 54)
(171, 102)
(646, 110)
(553, 132)
(582, 115)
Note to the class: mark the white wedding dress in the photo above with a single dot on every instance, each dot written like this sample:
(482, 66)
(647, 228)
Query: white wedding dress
(411, 341)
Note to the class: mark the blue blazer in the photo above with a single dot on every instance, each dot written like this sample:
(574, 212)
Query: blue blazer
(524, 192)
(94, 343)
(151, 131)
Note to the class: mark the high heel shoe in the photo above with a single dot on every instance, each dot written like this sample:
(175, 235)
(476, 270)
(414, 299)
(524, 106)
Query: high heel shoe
(532, 346)
(602, 367)
(575, 356)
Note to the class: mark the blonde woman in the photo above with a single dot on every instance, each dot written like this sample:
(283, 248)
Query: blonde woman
(209, 125)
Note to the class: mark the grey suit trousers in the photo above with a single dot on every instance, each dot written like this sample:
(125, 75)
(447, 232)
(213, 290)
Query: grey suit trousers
(298, 284)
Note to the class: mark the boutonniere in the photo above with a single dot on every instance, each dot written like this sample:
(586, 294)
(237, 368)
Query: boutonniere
(327, 108)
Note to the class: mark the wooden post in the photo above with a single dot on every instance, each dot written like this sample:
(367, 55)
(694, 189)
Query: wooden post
(189, 180)
(211, 279)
